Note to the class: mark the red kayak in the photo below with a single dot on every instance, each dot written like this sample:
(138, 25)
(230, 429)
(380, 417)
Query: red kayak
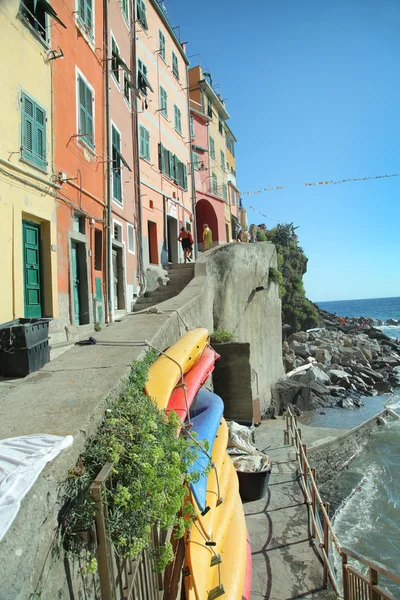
(249, 564)
(194, 379)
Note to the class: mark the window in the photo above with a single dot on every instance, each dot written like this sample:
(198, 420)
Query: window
(230, 144)
(220, 127)
(131, 238)
(33, 132)
(78, 223)
(34, 13)
(163, 102)
(171, 166)
(117, 232)
(114, 60)
(143, 82)
(141, 13)
(180, 174)
(209, 109)
(233, 197)
(98, 249)
(175, 67)
(212, 148)
(225, 191)
(196, 160)
(85, 16)
(85, 102)
(125, 10)
(161, 44)
(214, 183)
(192, 132)
(144, 143)
(177, 119)
(116, 165)
(227, 167)
(222, 160)
(127, 88)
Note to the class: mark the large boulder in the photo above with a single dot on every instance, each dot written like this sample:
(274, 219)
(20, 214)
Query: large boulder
(300, 349)
(341, 378)
(317, 375)
(323, 356)
(300, 336)
(304, 396)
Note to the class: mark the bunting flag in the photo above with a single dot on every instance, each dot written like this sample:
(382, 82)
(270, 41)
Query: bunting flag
(263, 215)
(330, 182)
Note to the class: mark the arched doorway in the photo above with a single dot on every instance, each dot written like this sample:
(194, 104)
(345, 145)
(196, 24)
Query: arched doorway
(205, 213)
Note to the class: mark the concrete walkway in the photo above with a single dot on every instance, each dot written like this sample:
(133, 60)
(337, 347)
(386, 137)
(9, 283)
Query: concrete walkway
(285, 566)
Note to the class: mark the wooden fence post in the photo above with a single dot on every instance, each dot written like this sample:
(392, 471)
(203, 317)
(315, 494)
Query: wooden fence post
(313, 502)
(326, 546)
(345, 578)
(373, 581)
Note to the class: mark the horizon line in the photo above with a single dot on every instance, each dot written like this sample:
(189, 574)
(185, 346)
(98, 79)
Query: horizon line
(357, 299)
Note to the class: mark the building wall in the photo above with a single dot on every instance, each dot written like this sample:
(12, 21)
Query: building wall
(124, 213)
(85, 167)
(163, 200)
(24, 195)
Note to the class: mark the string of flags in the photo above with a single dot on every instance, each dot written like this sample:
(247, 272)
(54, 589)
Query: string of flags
(263, 215)
(330, 182)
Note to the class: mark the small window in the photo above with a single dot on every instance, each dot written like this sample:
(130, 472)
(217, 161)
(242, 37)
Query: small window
(141, 13)
(131, 238)
(227, 167)
(116, 165)
(98, 249)
(34, 13)
(196, 161)
(225, 191)
(85, 105)
(127, 88)
(143, 82)
(192, 131)
(175, 66)
(214, 183)
(177, 119)
(34, 119)
(125, 10)
(222, 160)
(212, 148)
(85, 16)
(209, 109)
(233, 197)
(144, 143)
(163, 102)
(114, 60)
(161, 44)
(220, 127)
(78, 223)
(117, 232)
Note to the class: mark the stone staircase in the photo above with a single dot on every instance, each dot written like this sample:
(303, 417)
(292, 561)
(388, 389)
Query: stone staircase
(179, 276)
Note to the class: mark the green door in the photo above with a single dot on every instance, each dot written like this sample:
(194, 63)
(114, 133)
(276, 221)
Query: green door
(75, 283)
(32, 282)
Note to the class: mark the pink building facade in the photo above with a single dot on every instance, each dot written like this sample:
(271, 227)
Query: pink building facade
(164, 136)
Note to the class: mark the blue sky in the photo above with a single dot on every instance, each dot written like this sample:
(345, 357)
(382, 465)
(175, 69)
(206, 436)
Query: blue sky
(313, 90)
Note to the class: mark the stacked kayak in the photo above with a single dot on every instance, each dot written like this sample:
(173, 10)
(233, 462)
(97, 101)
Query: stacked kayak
(217, 550)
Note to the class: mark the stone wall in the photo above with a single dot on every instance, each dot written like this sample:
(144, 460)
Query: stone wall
(68, 397)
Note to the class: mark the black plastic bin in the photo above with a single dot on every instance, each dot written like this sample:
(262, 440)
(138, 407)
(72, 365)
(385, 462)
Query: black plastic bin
(19, 362)
(23, 333)
(253, 485)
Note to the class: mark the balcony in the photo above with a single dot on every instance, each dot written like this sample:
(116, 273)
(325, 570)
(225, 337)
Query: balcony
(232, 179)
(218, 190)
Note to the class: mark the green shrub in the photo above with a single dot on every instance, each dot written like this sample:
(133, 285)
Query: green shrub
(221, 335)
(261, 235)
(275, 276)
(149, 478)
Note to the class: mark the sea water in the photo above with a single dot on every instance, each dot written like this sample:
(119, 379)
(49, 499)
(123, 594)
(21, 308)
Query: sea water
(369, 522)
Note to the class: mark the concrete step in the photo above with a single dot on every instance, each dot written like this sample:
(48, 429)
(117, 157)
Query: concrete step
(180, 276)
(180, 267)
(170, 289)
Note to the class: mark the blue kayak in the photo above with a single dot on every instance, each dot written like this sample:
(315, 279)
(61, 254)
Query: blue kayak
(205, 415)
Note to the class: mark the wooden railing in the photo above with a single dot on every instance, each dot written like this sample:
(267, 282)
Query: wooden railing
(350, 584)
(122, 579)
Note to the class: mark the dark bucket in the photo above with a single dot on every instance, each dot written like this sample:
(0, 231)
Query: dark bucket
(253, 485)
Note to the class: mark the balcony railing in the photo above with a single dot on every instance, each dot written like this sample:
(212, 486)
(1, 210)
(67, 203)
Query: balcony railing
(218, 190)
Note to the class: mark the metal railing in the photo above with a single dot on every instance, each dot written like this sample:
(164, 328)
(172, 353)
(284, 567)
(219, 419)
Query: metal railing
(122, 578)
(350, 584)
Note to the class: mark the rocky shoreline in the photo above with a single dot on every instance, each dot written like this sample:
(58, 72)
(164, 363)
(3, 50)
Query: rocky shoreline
(336, 365)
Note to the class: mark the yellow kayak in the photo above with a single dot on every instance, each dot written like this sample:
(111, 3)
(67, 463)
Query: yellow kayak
(164, 374)
(233, 557)
(219, 457)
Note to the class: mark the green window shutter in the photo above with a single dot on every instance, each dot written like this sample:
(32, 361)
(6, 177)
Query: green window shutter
(184, 171)
(147, 144)
(28, 127)
(161, 154)
(141, 149)
(82, 11)
(144, 143)
(40, 134)
(161, 43)
(177, 119)
(89, 117)
(212, 148)
(89, 19)
(117, 175)
(171, 164)
(176, 169)
(175, 65)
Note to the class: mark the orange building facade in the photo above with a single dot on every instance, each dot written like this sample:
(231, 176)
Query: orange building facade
(80, 163)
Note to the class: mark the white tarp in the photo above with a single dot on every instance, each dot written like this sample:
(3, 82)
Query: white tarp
(21, 461)
(244, 454)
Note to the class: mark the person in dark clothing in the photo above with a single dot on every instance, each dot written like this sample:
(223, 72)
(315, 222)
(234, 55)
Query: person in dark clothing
(186, 239)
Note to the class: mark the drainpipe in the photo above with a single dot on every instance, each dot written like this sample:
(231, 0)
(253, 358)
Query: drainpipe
(135, 139)
(196, 249)
(108, 166)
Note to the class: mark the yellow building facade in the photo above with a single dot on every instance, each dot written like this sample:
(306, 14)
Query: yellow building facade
(28, 236)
